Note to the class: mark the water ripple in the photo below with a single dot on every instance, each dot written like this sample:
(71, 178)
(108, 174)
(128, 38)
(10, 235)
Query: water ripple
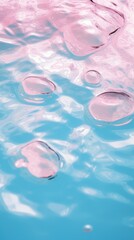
(67, 114)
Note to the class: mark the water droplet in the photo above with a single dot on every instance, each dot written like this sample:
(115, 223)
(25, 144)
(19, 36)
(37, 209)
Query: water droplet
(111, 106)
(37, 85)
(88, 228)
(40, 160)
(92, 77)
(35, 88)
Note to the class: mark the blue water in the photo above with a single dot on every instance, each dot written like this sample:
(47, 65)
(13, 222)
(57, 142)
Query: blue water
(95, 183)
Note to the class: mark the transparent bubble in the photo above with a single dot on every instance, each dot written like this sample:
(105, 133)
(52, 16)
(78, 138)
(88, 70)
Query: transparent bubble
(92, 77)
(37, 85)
(111, 106)
(88, 228)
(40, 160)
(34, 89)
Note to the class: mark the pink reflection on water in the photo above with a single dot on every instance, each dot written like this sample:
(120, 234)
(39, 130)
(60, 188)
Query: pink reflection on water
(92, 29)
(84, 28)
(40, 160)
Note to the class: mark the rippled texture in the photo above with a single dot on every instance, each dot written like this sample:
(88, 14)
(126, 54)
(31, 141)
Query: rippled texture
(66, 119)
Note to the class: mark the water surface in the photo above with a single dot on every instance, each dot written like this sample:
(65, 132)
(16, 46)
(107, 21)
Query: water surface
(66, 120)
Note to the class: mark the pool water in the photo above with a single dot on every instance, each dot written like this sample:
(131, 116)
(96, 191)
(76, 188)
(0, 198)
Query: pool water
(66, 120)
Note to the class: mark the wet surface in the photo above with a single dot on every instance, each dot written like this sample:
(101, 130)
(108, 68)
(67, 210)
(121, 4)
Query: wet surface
(66, 120)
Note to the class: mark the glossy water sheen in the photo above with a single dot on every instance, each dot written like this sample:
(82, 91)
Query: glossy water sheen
(66, 120)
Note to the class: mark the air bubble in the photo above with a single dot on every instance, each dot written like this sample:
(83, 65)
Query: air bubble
(88, 228)
(92, 77)
(37, 85)
(35, 88)
(40, 160)
(111, 106)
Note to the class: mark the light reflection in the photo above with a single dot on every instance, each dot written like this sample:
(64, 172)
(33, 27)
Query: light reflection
(71, 106)
(111, 176)
(129, 189)
(5, 179)
(123, 143)
(61, 209)
(92, 192)
(79, 174)
(65, 148)
(99, 194)
(47, 56)
(17, 204)
(118, 197)
(69, 158)
(31, 117)
(63, 144)
(80, 132)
